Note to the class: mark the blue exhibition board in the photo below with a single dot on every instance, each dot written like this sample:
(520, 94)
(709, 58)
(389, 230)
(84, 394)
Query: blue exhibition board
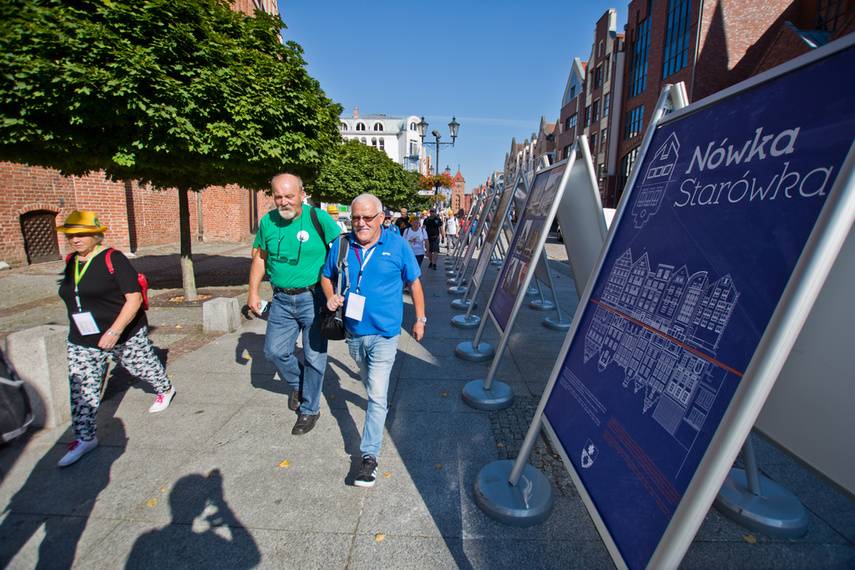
(708, 237)
(527, 236)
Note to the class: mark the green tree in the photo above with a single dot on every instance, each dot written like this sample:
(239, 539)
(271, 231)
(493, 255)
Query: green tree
(182, 95)
(357, 168)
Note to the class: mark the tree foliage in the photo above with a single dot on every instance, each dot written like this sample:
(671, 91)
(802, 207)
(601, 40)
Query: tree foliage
(180, 94)
(185, 94)
(358, 168)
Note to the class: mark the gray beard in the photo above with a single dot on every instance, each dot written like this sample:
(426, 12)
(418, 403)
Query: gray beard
(287, 215)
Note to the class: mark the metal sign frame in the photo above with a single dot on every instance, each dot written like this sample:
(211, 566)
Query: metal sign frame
(765, 336)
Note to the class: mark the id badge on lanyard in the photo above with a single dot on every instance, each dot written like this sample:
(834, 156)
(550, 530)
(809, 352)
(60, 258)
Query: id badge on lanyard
(356, 302)
(83, 320)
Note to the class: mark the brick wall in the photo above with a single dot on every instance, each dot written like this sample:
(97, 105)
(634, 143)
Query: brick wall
(135, 215)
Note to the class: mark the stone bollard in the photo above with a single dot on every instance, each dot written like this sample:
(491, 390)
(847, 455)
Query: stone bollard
(40, 358)
(221, 314)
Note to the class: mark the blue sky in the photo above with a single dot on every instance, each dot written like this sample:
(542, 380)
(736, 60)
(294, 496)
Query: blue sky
(496, 66)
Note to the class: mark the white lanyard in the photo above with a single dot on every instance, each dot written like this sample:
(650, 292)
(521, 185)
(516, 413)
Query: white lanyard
(362, 263)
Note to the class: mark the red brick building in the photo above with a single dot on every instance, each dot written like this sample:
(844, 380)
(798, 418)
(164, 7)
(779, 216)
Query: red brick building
(33, 201)
(457, 199)
(711, 45)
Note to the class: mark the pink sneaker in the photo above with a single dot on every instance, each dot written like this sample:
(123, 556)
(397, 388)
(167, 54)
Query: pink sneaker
(162, 401)
(77, 449)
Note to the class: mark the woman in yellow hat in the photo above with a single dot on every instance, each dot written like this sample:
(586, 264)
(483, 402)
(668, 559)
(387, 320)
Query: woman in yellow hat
(104, 301)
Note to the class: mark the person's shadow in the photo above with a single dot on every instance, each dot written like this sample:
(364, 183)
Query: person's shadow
(204, 531)
(61, 499)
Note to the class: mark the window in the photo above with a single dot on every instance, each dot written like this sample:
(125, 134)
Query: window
(363, 141)
(573, 92)
(676, 53)
(570, 124)
(586, 120)
(378, 126)
(604, 137)
(606, 103)
(382, 144)
(595, 111)
(412, 126)
(342, 127)
(638, 59)
(594, 148)
(567, 151)
(598, 76)
(632, 122)
(360, 126)
(828, 14)
(626, 168)
(606, 70)
(374, 142)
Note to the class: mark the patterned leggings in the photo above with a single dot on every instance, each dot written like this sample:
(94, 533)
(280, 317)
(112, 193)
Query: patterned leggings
(86, 369)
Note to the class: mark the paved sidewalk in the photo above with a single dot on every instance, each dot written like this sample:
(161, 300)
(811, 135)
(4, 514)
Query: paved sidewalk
(217, 480)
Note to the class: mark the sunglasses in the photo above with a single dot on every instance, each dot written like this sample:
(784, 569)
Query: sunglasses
(365, 219)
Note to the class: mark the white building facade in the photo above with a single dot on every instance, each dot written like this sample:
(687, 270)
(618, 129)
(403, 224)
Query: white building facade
(398, 137)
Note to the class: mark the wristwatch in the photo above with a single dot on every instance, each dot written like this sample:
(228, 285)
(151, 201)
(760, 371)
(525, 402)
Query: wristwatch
(422, 320)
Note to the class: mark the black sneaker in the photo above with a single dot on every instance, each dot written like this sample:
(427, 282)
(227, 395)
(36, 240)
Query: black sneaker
(367, 472)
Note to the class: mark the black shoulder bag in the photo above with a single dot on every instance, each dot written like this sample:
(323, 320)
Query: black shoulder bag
(332, 322)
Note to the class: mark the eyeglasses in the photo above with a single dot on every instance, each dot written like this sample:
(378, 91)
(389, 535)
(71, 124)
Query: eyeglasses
(365, 219)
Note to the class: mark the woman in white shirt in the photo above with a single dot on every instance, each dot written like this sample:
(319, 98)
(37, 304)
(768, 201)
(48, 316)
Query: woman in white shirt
(417, 237)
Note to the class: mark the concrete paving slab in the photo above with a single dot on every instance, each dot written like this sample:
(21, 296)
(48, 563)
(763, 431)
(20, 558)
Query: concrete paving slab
(439, 396)
(439, 437)
(63, 540)
(412, 498)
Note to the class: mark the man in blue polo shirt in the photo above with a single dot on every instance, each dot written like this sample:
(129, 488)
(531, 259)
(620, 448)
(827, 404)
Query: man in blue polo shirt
(377, 262)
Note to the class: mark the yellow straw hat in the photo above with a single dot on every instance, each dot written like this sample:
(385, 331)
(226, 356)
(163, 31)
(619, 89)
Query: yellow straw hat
(82, 223)
(332, 210)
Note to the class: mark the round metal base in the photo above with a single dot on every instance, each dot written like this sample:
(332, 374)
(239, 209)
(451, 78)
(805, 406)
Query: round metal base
(531, 291)
(498, 397)
(776, 511)
(526, 504)
(458, 290)
(463, 304)
(539, 305)
(556, 324)
(481, 353)
(455, 281)
(451, 274)
(461, 322)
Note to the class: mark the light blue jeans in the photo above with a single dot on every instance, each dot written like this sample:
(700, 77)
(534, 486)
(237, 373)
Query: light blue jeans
(289, 315)
(375, 356)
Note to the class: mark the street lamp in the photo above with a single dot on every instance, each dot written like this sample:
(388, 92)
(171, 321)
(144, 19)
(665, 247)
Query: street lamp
(453, 126)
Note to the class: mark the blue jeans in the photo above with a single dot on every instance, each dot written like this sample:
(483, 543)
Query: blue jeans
(375, 356)
(289, 315)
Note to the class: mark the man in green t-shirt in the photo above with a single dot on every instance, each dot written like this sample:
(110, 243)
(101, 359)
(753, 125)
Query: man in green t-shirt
(292, 247)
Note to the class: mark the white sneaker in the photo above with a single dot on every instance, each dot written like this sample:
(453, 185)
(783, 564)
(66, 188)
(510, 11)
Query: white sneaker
(162, 401)
(77, 449)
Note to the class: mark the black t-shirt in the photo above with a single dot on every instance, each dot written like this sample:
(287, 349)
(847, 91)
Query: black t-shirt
(402, 223)
(433, 226)
(102, 294)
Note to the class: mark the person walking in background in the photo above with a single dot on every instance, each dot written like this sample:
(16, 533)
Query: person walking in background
(416, 236)
(334, 214)
(387, 222)
(292, 247)
(104, 301)
(403, 221)
(435, 229)
(377, 262)
(452, 226)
